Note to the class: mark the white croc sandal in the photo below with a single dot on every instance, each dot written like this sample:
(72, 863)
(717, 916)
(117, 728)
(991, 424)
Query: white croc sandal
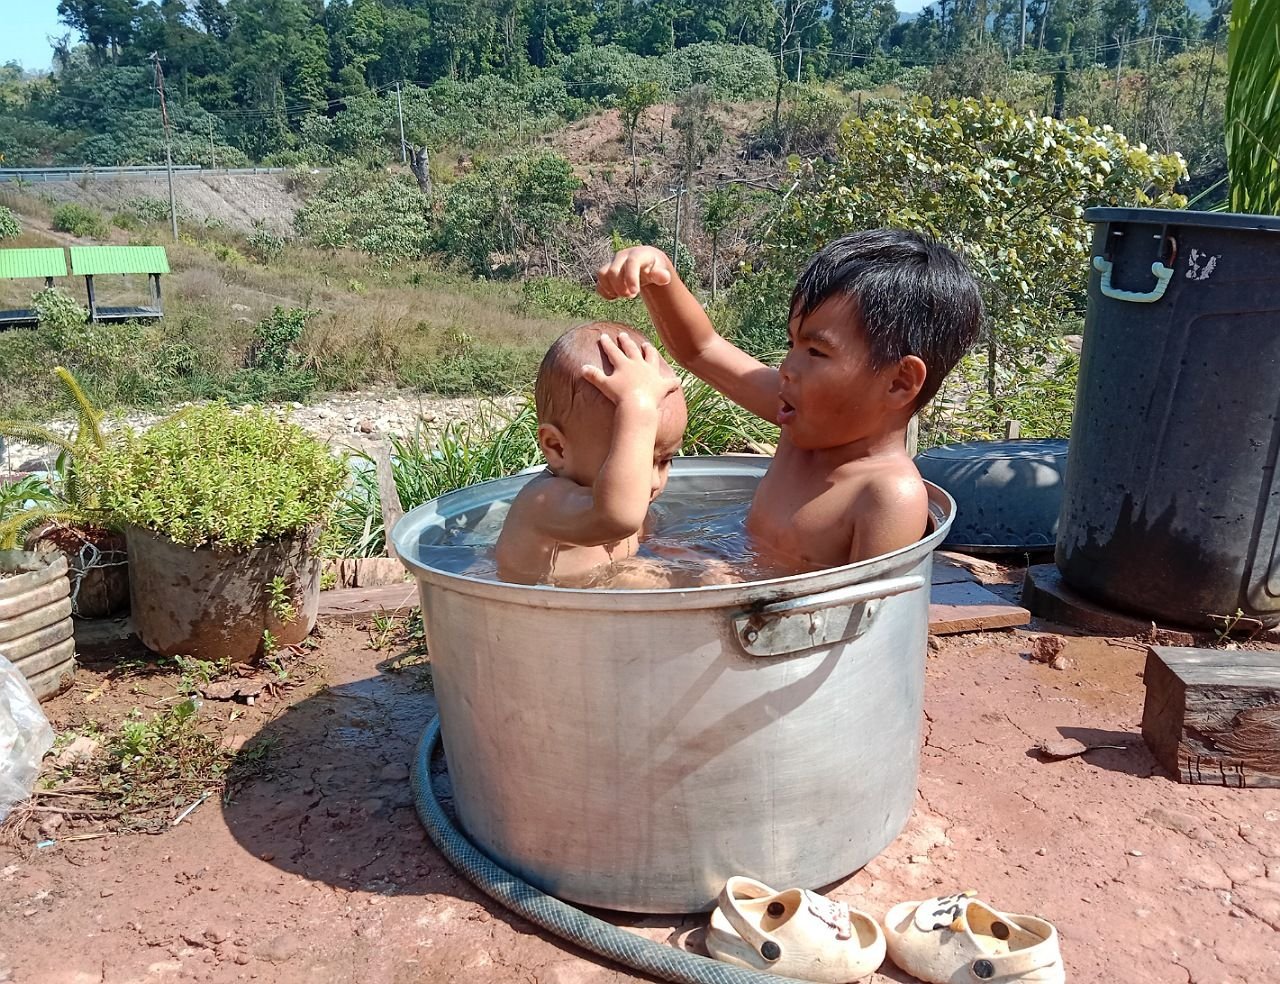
(793, 933)
(960, 940)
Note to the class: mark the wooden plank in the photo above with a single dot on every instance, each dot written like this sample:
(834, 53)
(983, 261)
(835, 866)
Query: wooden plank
(350, 604)
(969, 607)
(1212, 718)
(390, 498)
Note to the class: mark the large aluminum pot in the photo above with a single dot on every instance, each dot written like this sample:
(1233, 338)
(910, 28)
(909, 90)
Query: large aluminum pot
(633, 749)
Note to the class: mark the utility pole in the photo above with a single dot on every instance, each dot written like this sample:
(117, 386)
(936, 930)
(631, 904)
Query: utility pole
(404, 155)
(213, 155)
(1022, 28)
(168, 145)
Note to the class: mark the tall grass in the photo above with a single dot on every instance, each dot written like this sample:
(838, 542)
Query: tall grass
(1253, 106)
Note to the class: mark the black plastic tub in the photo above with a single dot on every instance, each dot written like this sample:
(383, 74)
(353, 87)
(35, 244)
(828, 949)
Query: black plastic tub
(1171, 506)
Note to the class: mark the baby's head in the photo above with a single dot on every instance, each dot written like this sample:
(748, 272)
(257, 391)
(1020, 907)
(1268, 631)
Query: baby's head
(878, 319)
(575, 419)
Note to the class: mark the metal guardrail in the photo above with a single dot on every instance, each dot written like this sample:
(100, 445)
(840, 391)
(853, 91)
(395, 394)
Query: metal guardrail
(39, 175)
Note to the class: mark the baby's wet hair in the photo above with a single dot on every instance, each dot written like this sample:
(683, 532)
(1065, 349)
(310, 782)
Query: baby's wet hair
(913, 295)
(561, 390)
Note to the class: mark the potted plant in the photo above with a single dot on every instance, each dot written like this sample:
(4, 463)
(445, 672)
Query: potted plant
(222, 511)
(1172, 495)
(62, 514)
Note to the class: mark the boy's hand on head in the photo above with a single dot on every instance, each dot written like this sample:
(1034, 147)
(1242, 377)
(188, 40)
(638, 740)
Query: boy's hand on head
(637, 376)
(633, 268)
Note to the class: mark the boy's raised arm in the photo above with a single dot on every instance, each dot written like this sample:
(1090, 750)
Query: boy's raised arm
(686, 330)
(616, 506)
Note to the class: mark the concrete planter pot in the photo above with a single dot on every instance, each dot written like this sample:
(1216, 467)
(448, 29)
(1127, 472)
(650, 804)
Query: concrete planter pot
(35, 619)
(98, 567)
(215, 604)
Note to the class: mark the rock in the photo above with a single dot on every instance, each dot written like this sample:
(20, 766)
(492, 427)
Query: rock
(1060, 663)
(1063, 749)
(282, 948)
(50, 824)
(366, 426)
(1135, 854)
(106, 893)
(934, 644)
(81, 750)
(215, 934)
(241, 308)
(231, 689)
(1183, 823)
(395, 772)
(1046, 647)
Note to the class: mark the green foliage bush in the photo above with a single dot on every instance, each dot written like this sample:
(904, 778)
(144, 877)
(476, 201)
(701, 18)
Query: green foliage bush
(10, 227)
(383, 216)
(266, 244)
(275, 338)
(214, 476)
(504, 205)
(79, 220)
(733, 71)
(59, 316)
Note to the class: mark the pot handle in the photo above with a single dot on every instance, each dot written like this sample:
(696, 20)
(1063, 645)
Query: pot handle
(817, 620)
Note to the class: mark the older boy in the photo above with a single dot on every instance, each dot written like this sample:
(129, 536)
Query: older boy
(611, 417)
(877, 321)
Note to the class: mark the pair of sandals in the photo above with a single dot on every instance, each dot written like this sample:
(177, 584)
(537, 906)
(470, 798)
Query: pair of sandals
(956, 939)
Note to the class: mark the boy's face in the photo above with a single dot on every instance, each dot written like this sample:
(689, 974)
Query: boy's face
(586, 438)
(830, 393)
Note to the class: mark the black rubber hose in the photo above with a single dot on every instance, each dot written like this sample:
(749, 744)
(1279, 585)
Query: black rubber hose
(559, 918)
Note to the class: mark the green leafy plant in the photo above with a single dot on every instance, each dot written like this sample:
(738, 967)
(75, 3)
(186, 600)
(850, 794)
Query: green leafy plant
(79, 220)
(10, 227)
(267, 245)
(211, 475)
(278, 600)
(1253, 106)
(71, 497)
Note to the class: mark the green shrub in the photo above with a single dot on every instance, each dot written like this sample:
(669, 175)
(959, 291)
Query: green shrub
(59, 316)
(267, 245)
(490, 370)
(214, 476)
(274, 339)
(383, 216)
(10, 227)
(79, 220)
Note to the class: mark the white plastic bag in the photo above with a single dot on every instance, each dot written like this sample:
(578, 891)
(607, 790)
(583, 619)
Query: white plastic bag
(25, 737)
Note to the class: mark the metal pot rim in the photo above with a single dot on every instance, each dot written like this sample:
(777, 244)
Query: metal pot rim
(405, 535)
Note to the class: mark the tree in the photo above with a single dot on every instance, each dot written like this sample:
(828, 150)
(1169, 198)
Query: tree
(105, 25)
(635, 101)
(720, 208)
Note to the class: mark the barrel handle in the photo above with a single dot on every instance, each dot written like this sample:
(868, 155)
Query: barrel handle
(1163, 275)
(817, 620)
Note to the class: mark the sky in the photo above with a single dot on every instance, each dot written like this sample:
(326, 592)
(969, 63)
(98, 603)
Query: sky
(28, 23)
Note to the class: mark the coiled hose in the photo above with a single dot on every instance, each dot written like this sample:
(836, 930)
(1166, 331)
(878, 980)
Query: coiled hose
(559, 918)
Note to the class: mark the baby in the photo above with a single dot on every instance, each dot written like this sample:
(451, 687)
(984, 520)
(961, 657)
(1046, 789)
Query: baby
(611, 416)
(878, 319)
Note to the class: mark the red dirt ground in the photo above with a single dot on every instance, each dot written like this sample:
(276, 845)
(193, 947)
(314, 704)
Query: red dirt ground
(320, 872)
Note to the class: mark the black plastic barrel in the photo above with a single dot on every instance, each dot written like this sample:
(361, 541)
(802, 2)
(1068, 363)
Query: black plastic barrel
(1171, 507)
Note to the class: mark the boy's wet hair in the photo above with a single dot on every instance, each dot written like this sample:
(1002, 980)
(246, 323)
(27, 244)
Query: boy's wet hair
(561, 390)
(913, 295)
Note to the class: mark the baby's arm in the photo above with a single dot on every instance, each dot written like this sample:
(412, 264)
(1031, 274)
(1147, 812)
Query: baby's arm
(686, 330)
(616, 506)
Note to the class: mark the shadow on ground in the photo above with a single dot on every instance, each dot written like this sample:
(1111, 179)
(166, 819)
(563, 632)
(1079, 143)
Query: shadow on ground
(336, 806)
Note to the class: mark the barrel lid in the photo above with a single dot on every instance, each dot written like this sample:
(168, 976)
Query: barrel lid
(993, 450)
(1183, 217)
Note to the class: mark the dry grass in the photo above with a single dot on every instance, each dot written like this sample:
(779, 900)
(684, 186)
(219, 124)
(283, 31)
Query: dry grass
(411, 325)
